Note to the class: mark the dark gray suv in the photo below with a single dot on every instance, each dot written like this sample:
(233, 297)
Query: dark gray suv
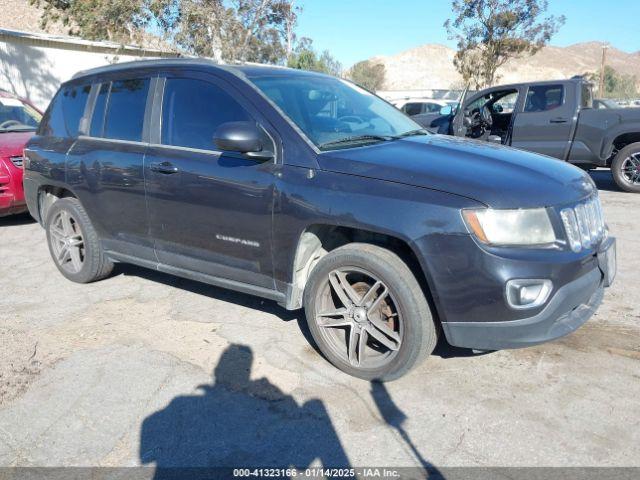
(310, 191)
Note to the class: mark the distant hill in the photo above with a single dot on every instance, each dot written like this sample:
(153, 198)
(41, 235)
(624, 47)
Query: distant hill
(431, 65)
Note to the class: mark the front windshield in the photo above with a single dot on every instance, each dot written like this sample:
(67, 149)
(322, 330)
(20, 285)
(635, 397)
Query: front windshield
(334, 113)
(17, 116)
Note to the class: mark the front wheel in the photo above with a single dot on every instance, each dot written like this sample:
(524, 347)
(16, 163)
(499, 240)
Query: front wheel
(626, 168)
(367, 313)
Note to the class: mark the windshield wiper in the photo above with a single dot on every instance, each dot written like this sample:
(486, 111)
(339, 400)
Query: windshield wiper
(411, 133)
(356, 139)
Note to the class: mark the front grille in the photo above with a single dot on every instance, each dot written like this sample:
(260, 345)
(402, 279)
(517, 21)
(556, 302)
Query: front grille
(584, 224)
(17, 161)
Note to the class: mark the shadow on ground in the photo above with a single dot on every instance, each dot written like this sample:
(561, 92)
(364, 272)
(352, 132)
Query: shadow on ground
(223, 294)
(239, 422)
(16, 220)
(604, 180)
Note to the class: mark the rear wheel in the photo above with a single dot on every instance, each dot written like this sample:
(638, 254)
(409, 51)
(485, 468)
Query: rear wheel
(74, 244)
(626, 168)
(367, 313)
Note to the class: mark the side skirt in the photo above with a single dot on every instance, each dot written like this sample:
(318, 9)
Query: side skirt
(201, 277)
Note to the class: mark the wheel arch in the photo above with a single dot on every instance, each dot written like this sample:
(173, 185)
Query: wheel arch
(621, 140)
(317, 240)
(47, 196)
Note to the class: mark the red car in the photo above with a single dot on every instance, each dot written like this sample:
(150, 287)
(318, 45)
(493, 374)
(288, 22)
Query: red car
(18, 121)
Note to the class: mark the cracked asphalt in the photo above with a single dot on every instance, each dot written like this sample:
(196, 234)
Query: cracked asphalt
(147, 369)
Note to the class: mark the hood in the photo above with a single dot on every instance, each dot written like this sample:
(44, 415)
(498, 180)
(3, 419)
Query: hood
(498, 176)
(12, 143)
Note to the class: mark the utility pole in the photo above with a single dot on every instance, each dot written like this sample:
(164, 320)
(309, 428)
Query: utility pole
(602, 63)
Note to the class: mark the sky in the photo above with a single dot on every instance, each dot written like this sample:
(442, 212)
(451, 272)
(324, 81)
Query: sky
(354, 30)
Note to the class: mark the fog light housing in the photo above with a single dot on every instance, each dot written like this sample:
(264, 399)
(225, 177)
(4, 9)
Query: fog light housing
(528, 293)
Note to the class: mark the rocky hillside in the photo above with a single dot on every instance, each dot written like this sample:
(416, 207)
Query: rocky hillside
(431, 65)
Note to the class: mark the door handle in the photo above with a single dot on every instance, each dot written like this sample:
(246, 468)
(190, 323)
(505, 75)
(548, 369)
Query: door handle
(558, 120)
(166, 168)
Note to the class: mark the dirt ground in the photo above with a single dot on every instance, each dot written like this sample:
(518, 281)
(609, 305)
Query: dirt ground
(144, 368)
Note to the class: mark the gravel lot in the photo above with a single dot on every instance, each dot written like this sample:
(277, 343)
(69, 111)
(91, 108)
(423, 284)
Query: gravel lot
(144, 368)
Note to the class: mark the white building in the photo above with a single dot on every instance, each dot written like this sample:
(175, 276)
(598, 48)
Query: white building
(32, 65)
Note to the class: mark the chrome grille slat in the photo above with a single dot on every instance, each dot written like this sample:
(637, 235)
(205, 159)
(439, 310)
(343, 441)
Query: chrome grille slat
(17, 161)
(584, 224)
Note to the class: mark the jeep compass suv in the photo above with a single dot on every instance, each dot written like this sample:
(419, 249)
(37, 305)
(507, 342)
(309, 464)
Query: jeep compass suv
(313, 192)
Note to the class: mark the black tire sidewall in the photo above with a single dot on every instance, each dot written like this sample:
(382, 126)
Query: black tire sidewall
(417, 320)
(73, 207)
(616, 168)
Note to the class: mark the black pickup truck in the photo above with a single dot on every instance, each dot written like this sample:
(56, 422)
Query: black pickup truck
(555, 118)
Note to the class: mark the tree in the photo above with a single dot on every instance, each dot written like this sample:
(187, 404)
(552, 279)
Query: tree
(229, 30)
(114, 20)
(616, 85)
(368, 74)
(236, 30)
(304, 57)
(490, 32)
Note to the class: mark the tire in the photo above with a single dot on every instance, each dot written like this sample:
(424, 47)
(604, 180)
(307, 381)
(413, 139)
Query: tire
(626, 168)
(69, 230)
(403, 313)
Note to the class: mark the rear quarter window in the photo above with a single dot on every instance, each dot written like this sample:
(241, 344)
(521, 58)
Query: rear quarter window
(62, 118)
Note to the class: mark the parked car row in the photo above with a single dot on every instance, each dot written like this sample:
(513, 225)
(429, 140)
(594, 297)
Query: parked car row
(554, 118)
(311, 191)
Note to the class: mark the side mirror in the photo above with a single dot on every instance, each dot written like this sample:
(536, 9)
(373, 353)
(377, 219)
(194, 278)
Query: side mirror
(242, 137)
(446, 110)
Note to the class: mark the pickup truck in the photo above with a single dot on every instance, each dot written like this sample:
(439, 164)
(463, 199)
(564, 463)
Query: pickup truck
(556, 118)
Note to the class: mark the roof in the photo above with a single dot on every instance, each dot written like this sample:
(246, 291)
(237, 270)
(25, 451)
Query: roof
(246, 69)
(65, 41)
(545, 82)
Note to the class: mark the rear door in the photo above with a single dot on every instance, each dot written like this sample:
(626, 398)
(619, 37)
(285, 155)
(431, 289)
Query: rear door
(58, 130)
(210, 211)
(545, 123)
(105, 165)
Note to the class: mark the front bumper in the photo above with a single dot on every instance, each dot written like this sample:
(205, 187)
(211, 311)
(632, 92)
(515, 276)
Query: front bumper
(568, 309)
(11, 193)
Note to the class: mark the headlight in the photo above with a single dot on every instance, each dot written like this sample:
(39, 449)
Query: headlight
(510, 227)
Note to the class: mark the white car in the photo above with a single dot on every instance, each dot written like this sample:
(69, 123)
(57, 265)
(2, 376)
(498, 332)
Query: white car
(416, 106)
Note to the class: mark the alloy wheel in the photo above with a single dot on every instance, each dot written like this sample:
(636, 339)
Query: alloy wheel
(359, 318)
(67, 242)
(631, 169)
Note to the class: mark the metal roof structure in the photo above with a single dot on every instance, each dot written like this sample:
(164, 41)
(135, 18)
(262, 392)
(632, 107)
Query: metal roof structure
(77, 43)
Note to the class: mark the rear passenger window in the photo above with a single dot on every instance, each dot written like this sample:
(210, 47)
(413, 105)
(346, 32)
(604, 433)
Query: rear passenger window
(125, 109)
(192, 110)
(67, 108)
(543, 97)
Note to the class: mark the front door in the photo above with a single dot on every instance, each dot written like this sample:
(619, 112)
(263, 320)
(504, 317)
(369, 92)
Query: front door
(209, 211)
(545, 123)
